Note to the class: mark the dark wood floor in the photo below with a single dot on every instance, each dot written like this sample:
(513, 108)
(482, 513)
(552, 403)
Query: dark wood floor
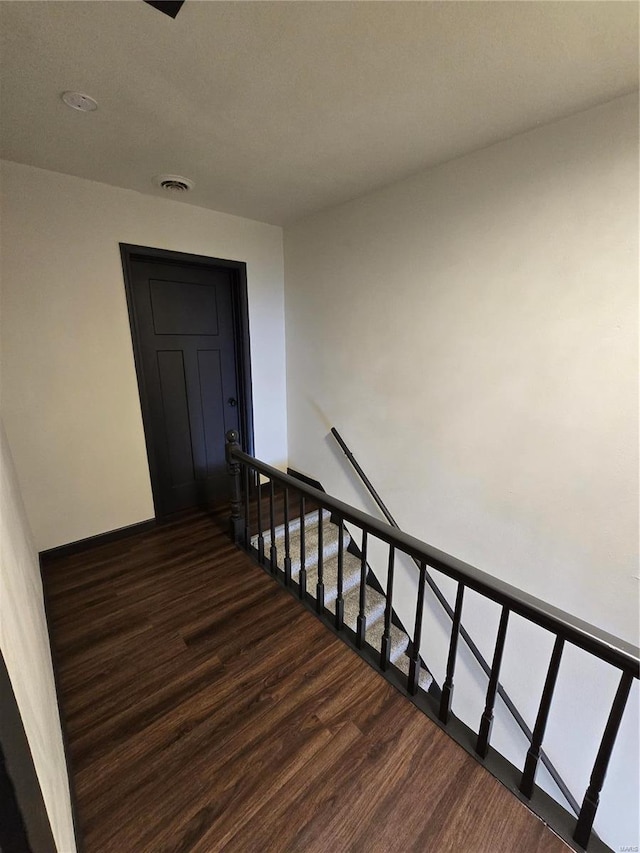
(207, 710)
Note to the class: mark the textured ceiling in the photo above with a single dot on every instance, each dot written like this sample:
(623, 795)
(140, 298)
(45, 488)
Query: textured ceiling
(277, 109)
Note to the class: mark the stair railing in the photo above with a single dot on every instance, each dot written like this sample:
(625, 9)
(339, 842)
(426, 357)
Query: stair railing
(462, 631)
(247, 472)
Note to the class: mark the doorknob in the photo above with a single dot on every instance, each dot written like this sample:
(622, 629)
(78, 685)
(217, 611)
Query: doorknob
(232, 401)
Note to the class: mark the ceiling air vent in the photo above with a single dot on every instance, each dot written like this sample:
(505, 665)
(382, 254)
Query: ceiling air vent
(173, 183)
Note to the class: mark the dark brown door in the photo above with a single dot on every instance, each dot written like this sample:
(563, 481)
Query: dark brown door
(184, 331)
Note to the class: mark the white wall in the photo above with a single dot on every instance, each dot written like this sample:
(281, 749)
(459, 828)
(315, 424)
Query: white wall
(473, 333)
(24, 643)
(70, 397)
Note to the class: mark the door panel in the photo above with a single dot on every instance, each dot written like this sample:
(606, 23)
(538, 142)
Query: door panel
(176, 426)
(182, 308)
(212, 390)
(186, 350)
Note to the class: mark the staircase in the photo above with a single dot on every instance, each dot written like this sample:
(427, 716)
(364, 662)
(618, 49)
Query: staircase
(375, 601)
(364, 618)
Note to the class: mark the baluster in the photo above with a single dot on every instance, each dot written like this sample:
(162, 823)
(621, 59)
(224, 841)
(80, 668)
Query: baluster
(287, 541)
(592, 797)
(533, 753)
(247, 507)
(339, 599)
(414, 663)
(233, 469)
(385, 647)
(361, 628)
(260, 531)
(273, 551)
(447, 688)
(486, 721)
(302, 590)
(320, 584)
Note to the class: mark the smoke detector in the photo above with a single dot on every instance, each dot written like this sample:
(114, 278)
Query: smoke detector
(173, 183)
(78, 101)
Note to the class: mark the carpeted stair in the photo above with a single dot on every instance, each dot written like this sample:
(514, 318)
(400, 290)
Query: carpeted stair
(375, 601)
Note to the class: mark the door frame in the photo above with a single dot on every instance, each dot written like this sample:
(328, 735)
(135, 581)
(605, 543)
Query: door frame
(22, 809)
(240, 305)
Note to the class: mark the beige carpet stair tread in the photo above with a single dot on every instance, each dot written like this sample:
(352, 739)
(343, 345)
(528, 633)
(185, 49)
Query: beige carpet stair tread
(426, 679)
(310, 520)
(311, 543)
(350, 576)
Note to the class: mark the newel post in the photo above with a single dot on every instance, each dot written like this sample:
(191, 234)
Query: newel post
(236, 521)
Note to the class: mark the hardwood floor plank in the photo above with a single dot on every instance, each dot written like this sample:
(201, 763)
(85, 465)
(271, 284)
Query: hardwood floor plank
(329, 807)
(237, 725)
(208, 710)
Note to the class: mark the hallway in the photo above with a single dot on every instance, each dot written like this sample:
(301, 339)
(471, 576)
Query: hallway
(207, 710)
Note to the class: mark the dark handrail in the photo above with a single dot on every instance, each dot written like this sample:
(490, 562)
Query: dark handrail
(590, 638)
(475, 651)
(565, 627)
(369, 485)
